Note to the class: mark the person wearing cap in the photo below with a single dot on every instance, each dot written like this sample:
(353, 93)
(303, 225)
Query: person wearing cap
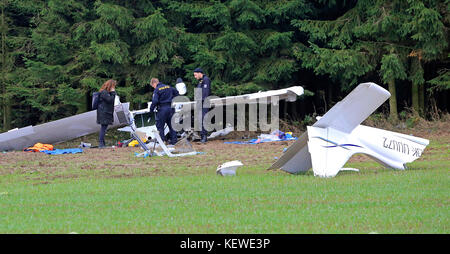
(204, 83)
(162, 101)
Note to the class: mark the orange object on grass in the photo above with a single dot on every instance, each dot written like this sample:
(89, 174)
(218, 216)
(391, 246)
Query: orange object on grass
(39, 147)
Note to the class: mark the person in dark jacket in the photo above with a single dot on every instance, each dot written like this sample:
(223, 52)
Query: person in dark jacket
(204, 83)
(162, 101)
(105, 108)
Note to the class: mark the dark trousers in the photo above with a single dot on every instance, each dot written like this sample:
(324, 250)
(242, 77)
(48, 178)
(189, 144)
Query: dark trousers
(204, 111)
(101, 137)
(163, 117)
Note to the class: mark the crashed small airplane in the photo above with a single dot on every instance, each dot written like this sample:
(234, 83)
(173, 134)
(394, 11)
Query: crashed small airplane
(330, 142)
(145, 124)
(84, 124)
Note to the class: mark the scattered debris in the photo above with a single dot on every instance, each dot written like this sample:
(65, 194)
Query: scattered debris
(181, 148)
(276, 135)
(350, 169)
(133, 143)
(85, 145)
(228, 168)
(63, 151)
(124, 143)
(39, 147)
(221, 133)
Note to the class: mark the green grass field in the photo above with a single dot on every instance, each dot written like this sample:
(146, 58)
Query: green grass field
(112, 191)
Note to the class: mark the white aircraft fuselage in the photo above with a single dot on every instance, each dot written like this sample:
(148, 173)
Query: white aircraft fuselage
(329, 143)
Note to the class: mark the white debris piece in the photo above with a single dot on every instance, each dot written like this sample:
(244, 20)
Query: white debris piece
(222, 133)
(228, 168)
(350, 169)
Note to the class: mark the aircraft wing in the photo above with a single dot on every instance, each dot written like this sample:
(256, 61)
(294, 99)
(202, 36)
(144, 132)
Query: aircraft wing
(296, 158)
(347, 114)
(289, 94)
(56, 131)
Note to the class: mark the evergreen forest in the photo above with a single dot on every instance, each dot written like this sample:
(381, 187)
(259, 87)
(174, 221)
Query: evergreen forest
(55, 53)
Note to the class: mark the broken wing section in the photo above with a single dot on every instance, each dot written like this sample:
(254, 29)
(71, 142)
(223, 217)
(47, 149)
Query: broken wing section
(296, 159)
(354, 108)
(16, 138)
(289, 94)
(56, 131)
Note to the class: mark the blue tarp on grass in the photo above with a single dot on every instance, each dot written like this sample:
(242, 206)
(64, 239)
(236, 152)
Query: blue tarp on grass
(63, 151)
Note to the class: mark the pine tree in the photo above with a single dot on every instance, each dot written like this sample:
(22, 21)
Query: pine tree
(56, 53)
(47, 80)
(104, 40)
(155, 54)
(16, 32)
(245, 46)
(375, 36)
(427, 31)
(5, 102)
(391, 70)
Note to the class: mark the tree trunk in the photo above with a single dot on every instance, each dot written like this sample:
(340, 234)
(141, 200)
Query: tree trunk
(421, 89)
(329, 95)
(417, 73)
(294, 110)
(393, 116)
(415, 97)
(7, 115)
(85, 103)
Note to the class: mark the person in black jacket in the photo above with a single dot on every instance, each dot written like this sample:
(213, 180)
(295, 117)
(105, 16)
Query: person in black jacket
(105, 108)
(204, 83)
(162, 101)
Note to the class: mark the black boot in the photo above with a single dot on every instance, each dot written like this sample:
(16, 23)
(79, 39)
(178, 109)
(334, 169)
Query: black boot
(204, 139)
